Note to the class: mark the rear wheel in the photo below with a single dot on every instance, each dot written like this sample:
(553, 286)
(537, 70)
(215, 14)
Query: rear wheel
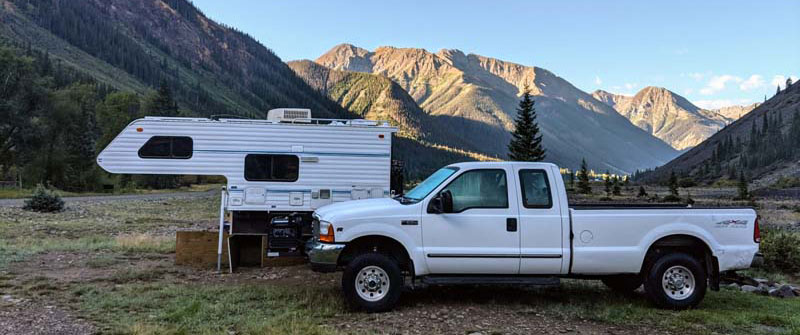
(372, 282)
(626, 283)
(676, 281)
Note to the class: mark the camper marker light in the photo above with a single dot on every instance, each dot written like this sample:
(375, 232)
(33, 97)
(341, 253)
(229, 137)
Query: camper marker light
(139, 130)
(380, 136)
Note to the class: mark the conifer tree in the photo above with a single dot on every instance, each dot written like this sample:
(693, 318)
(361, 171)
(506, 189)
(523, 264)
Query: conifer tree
(617, 187)
(673, 184)
(583, 179)
(526, 140)
(744, 192)
(642, 192)
(607, 183)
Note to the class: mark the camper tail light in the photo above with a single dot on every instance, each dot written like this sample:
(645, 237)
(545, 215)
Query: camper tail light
(326, 232)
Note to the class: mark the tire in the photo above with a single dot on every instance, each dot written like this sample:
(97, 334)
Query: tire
(365, 284)
(626, 283)
(676, 281)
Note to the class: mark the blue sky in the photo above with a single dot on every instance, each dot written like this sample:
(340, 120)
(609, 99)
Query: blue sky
(714, 53)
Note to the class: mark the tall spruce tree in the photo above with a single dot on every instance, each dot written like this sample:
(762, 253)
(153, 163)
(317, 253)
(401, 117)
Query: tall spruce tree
(526, 140)
(673, 184)
(583, 179)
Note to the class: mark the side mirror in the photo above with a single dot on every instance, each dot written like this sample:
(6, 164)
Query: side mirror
(447, 201)
(441, 203)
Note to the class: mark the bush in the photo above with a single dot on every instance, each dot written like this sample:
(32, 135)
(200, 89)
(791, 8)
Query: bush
(781, 251)
(671, 198)
(44, 200)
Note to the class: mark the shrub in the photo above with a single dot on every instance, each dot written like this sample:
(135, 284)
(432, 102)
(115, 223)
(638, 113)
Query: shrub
(781, 251)
(671, 198)
(44, 200)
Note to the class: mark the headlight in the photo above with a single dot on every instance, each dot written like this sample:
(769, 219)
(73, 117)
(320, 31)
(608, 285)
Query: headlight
(326, 232)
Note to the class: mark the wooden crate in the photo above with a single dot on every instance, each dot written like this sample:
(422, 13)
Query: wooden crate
(199, 248)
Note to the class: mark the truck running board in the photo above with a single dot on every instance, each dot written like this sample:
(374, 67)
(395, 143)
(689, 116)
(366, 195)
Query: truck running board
(493, 280)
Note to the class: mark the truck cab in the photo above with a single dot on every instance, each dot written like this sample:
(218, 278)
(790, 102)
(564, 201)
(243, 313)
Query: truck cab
(510, 222)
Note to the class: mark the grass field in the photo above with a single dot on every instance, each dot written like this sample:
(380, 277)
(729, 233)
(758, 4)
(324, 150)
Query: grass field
(111, 264)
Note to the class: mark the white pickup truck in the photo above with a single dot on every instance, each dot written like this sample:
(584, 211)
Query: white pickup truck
(509, 223)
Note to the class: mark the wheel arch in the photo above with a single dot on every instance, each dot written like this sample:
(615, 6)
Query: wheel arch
(688, 244)
(379, 244)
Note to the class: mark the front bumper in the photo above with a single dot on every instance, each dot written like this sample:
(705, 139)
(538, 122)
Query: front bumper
(324, 256)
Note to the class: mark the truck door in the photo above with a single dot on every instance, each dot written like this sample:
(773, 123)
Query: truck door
(481, 234)
(540, 222)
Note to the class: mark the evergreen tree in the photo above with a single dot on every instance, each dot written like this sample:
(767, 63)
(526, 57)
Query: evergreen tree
(617, 186)
(673, 184)
(162, 102)
(583, 179)
(526, 140)
(642, 192)
(607, 183)
(744, 192)
(572, 180)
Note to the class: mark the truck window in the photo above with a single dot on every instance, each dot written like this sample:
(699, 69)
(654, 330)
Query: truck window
(263, 167)
(484, 188)
(425, 187)
(535, 189)
(167, 147)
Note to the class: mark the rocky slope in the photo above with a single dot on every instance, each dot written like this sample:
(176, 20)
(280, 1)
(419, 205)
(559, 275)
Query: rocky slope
(666, 115)
(736, 112)
(764, 144)
(477, 96)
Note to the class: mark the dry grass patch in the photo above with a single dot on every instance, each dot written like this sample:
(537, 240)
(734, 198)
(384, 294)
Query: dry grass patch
(143, 242)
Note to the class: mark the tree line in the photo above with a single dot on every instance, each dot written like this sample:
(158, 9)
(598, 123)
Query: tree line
(54, 120)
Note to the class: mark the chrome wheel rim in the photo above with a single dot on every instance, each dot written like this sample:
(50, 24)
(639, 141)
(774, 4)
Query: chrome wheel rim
(678, 282)
(372, 283)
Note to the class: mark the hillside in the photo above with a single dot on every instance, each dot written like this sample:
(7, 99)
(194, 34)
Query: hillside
(135, 45)
(735, 112)
(666, 115)
(477, 96)
(764, 144)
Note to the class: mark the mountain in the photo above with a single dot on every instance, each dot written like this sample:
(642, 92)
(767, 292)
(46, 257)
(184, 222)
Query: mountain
(377, 97)
(477, 96)
(666, 115)
(736, 112)
(136, 45)
(764, 144)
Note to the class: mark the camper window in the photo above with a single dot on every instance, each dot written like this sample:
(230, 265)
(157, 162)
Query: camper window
(167, 147)
(258, 167)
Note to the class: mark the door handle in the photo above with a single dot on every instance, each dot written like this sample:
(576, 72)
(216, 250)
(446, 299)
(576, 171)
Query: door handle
(511, 224)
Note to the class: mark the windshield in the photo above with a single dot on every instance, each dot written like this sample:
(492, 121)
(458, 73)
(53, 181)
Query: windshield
(426, 186)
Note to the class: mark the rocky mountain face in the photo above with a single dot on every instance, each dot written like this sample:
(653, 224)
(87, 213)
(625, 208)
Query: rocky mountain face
(477, 97)
(764, 144)
(666, 115)
(736, 112)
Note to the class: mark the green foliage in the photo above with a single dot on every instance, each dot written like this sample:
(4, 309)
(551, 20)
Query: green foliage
(781, 251)
(617, 186)
(642, 192)
(583, 179)
(526, 139)
(744, 192)
(44, 200)
(608, 183)
(673, 185)
(787, 182)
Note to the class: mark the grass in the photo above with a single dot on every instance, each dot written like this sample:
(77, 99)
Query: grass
(17, 193)
(208, 309)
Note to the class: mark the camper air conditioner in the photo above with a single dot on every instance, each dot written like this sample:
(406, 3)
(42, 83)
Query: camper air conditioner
(288, 114)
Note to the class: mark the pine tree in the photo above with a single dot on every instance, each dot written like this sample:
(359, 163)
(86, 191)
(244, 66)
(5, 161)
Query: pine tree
(583, 179)
(572, 180)
(607, 183)
(642, 192)
(526, 140)
(617, 187)
(744, 192)
(673, 184)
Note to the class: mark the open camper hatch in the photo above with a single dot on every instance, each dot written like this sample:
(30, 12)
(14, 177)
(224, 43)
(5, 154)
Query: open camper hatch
(278, 170)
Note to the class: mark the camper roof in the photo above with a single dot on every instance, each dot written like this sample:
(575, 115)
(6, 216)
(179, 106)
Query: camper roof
(297, 121)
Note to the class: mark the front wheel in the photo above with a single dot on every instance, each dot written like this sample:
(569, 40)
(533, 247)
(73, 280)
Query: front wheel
(676, 281)
(372, 282)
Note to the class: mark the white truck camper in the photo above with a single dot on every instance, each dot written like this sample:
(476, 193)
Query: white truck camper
(278, 170)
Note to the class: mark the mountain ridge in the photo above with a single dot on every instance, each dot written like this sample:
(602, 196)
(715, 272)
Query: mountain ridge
(483, 93)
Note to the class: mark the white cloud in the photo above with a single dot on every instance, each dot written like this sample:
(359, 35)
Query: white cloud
(753, 82)
(631, 86)
(597, 80)
(719, 103)
(718, 83)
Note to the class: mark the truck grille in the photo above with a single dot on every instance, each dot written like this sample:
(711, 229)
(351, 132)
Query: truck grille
(315, 229)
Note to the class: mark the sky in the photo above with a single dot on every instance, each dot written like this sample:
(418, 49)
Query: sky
(715, 53)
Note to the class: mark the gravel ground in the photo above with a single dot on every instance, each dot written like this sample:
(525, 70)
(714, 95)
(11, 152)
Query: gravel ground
(27, 317)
